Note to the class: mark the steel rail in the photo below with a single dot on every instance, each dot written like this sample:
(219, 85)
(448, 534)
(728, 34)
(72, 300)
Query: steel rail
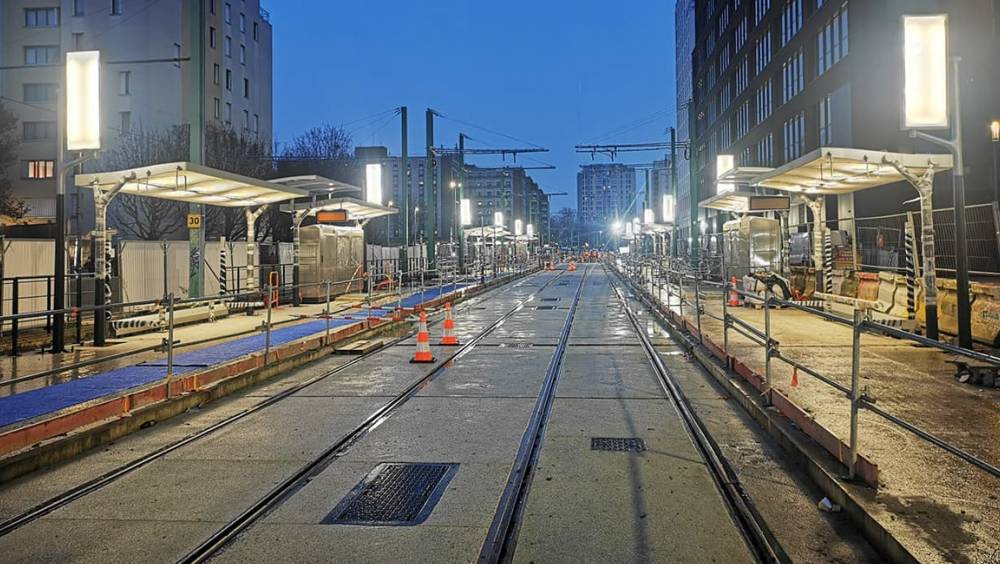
(289, 486)
(501, 539)
(91, 486)
(754, 530)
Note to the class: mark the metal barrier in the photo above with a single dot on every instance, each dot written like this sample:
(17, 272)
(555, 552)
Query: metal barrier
(658, 275)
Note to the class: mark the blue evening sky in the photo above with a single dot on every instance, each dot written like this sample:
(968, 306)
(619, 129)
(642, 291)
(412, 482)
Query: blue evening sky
(553, 73)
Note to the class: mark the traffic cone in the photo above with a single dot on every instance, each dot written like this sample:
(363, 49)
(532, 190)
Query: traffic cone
(423, 354)
(795, 376)
(449, 338)
(734, 298)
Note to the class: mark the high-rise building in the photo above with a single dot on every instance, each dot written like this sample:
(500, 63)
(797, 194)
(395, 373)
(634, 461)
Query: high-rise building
(145, 48)
(509, 190)
(606, 193)
(684, 39)
(775, 79)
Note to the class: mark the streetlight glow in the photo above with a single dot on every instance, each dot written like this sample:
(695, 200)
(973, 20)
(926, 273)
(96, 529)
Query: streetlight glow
(465, 212)
(517, 227)
(667, 208)
(723, 164)
(83, 100)
(616, 227)
(925, 71)
(530, 229)
(498, 219)
(648, 216)
(995, 131)
(373, 183)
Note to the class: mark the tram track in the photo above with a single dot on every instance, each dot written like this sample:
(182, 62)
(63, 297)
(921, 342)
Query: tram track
(759, 539)
(82, 490)
(264, 505)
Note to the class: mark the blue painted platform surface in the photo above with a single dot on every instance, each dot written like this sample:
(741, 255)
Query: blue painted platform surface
(50, 399)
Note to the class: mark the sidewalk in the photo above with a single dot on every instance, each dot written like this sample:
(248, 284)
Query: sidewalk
(938, 506)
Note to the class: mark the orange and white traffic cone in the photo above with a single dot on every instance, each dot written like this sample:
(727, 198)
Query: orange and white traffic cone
(449, 338)
(795, 376)
(423, 354)
(734, 298)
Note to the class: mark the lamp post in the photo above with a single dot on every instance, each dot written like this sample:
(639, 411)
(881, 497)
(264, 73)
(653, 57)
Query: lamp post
(925, 43)
(995, 137)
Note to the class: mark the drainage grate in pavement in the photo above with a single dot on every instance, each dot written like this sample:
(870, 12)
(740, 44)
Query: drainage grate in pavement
(616, 444)
(394, 493)
(550, 299)
(544, 308)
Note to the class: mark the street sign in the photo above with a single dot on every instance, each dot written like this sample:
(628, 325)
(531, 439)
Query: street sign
(331, 216)
(194, 221)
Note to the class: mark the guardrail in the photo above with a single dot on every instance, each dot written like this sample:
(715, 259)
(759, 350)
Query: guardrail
(671, 277)
(428, 279)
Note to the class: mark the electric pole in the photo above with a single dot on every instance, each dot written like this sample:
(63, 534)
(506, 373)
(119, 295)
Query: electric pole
(404, 195)
(430, 179)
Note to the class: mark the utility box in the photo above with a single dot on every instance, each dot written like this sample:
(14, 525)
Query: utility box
(752, 244)
(330, 253)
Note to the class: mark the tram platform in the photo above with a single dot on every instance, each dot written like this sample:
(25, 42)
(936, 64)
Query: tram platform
(42, 411)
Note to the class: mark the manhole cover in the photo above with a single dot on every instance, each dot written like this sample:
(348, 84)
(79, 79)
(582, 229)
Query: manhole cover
(544, 308)
(616, 444)
(394, 493)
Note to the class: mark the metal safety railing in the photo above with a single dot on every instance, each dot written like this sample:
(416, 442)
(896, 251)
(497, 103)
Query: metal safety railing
(678, 279)
(426, 281)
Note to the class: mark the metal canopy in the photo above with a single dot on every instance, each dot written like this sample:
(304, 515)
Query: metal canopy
(834, 170)
(657, 227)
(739, 201)
(356, 208)
(315, 184)
(192, 183)
(742, 174)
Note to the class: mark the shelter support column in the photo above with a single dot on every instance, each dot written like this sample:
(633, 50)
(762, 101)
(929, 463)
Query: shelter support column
(297, 220)
(102, 286)
(924, 184)
(816, 204)
(251, 217)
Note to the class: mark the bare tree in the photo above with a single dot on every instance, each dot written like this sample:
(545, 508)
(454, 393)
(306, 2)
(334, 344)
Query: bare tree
(136, 217)
(325, 141)
(10, 207)
(225, 149)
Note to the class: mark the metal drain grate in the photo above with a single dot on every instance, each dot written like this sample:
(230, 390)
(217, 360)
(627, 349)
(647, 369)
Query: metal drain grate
(544, 308)
(616, 444)
(550, 299)
(394, 493)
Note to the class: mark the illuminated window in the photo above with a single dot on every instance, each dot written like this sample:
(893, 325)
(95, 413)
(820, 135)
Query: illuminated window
(35, 170)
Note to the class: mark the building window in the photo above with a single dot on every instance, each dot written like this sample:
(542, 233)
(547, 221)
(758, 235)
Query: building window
(723, 20)
(724, 58)
(218, 109)
(42, 55)
(229, 79)
(124, 83)
(246, 121)
(125, 121)
(41, 92)
(116, 7)
(795, 136)
(764, 100)
(229, 113)
(246, 87)
(826, 120)
(211, 6)
(760, 9)
(765, 150)
(228, 14)
(41, 17)
(77, 40)
(256, 123)
(793, 76)
(743, 120)
(742, 76)
(211, 37)
(39, 130)
(255, 35)
(36, 170)
(216, 73)
(741, 34)
(228, 46)
(763, 50)
(78, 8)
(791, 20)
(832, 45)
(243, 54)
(243, 22)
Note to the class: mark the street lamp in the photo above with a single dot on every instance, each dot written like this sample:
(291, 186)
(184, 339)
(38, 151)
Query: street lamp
(388, 227)
(995, 137)
(926, 106)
